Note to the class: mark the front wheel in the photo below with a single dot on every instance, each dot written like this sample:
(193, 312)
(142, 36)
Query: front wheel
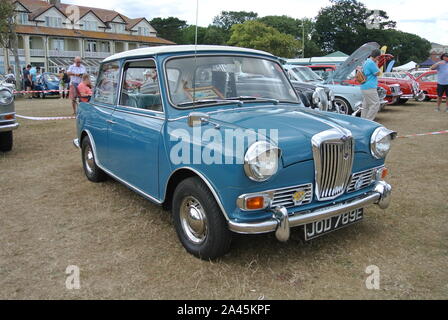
(342, 106)
(6, 141)
(402, 101)
(199, 222)
(92, 171)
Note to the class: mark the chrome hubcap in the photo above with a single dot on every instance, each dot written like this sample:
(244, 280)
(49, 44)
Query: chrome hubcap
(341, 107)
(88, 159)
(193, 220)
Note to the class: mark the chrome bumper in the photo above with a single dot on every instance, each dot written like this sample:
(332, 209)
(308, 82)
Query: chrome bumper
(9, 127)
(281, 222)
(76, 143)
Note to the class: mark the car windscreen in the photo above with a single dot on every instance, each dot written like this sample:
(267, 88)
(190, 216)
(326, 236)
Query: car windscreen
(51, 78)
(307, 74)
(219, 78)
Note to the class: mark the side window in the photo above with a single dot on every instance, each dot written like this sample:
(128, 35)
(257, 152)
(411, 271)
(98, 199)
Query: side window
(107, 84)
(140, 87)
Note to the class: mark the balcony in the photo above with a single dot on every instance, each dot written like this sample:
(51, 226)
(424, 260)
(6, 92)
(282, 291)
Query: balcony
(37, 52)
(64, 54)
(100, 55)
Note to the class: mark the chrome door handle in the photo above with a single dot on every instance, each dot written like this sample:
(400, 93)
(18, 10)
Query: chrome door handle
(111, 121)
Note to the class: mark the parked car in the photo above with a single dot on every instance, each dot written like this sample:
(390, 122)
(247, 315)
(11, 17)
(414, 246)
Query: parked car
(347, 99)
(313, 95)
(428, 84)
(221, 138)
(7, 118)
(48, 82)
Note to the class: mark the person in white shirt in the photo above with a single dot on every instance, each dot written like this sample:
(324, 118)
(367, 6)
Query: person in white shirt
(75, 72)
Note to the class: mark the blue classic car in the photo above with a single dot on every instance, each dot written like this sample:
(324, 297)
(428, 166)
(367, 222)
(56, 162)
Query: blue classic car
(48, 84)
(219, 136)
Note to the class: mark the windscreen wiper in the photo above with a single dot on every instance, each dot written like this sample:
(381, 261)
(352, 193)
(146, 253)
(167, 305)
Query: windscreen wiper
(208, 101)
(250, 98)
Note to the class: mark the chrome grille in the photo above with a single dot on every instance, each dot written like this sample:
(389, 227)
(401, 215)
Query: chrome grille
(362, 179)
(284, 197)
(333, 152)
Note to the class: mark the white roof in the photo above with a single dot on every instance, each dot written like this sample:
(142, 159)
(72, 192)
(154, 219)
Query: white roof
(180, 48)
(406, 67)
(328, 60)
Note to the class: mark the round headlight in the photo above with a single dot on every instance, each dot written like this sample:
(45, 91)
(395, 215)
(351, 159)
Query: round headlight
(331, 95)
(380, 142)
(261, 161)
(6, 96)
(316, 98)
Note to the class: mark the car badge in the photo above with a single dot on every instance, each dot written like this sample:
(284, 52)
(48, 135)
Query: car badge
(358, 184)
(298, 197)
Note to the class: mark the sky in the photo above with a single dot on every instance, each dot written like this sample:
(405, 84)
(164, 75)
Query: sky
(431, 24)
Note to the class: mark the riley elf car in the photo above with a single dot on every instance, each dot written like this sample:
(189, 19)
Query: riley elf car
(7, 117)
(219, 136)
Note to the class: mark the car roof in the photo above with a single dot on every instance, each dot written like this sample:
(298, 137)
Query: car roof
(180, 48)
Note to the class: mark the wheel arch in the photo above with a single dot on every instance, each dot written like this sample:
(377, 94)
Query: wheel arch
(181, 174)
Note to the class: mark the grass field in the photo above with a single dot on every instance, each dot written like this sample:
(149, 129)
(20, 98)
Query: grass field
(126, 247)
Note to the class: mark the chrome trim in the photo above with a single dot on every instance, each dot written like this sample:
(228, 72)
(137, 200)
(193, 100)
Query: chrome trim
(76, 143)
(377, 135)
(241, 200)
(283, 229)
(367, 177)
(333, 153)
(380, 196)
(9, 127)
(138, 114)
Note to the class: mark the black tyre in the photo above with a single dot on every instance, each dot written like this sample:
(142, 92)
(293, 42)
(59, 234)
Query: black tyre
(342, 106)
(92, 171)
(199, 222)
(6, 141)
(402, 101)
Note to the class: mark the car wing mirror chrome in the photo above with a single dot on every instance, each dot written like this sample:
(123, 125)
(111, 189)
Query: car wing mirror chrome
(196, 119)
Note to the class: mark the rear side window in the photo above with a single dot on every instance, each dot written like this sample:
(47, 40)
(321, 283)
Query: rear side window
(107, 84)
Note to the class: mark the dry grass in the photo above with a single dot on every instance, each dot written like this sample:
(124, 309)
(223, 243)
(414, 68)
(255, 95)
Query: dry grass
(126, 247)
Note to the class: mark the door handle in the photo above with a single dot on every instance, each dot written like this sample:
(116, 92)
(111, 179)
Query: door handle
(111, 121)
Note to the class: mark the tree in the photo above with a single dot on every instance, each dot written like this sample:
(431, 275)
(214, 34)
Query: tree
(228, 18)
(210, 35)
(169, 28)
(8, 35)
(342, 25)
(295, 27)
(256, 35)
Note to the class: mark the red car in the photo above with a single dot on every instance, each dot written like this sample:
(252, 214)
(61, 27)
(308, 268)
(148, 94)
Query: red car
(393, 92)
(428, 84)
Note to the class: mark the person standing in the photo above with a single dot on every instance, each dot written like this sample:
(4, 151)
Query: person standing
(442, 80)
(27, 80)
(64, 81)
(371, 100)
(75, 72)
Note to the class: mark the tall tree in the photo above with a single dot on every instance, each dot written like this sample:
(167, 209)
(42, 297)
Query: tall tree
(256, 35)
(342, 25)
(170, 28)
(228, 18)
(8, 35)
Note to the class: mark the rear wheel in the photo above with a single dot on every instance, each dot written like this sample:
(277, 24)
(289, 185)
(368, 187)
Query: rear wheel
(92, 171)
(402, 101)
(199, 222)
(342, 106)
(6, 141)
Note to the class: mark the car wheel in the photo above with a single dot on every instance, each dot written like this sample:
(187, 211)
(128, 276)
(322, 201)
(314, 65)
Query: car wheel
(402, 101)
(92, 171)
(199, 222)
(6, 141)
(421, 97)
(342, 106)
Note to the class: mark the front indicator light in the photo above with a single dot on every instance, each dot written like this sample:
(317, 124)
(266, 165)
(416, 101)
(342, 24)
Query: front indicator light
(255, 203)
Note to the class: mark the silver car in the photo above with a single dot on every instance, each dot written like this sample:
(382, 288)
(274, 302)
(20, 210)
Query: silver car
(7, 118)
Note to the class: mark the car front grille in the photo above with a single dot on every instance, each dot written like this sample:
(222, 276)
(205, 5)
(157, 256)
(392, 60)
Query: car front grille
(293, 196)
(333, 152)
(360, 180)
(395, 89)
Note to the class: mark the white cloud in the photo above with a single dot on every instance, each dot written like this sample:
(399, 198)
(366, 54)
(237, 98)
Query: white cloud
(410, 14)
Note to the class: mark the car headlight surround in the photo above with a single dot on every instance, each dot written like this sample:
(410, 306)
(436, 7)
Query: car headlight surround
(6, 97)
(316, 98)
(380, 142)
(331, 95)
(261, 161)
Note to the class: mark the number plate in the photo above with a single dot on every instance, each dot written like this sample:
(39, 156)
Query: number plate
(319, 228)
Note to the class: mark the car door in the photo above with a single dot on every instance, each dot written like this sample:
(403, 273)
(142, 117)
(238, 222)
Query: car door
(100, 109)
(136, 126)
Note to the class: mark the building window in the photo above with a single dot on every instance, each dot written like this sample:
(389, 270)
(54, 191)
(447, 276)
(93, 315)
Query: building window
(143, 31)
(22, 18)
(58, 44)
(90, 25)
(91, 46)
(118, 28)
(53, 22)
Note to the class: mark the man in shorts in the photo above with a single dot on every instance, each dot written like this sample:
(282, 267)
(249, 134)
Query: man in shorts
(442, 80)
(75, 72)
